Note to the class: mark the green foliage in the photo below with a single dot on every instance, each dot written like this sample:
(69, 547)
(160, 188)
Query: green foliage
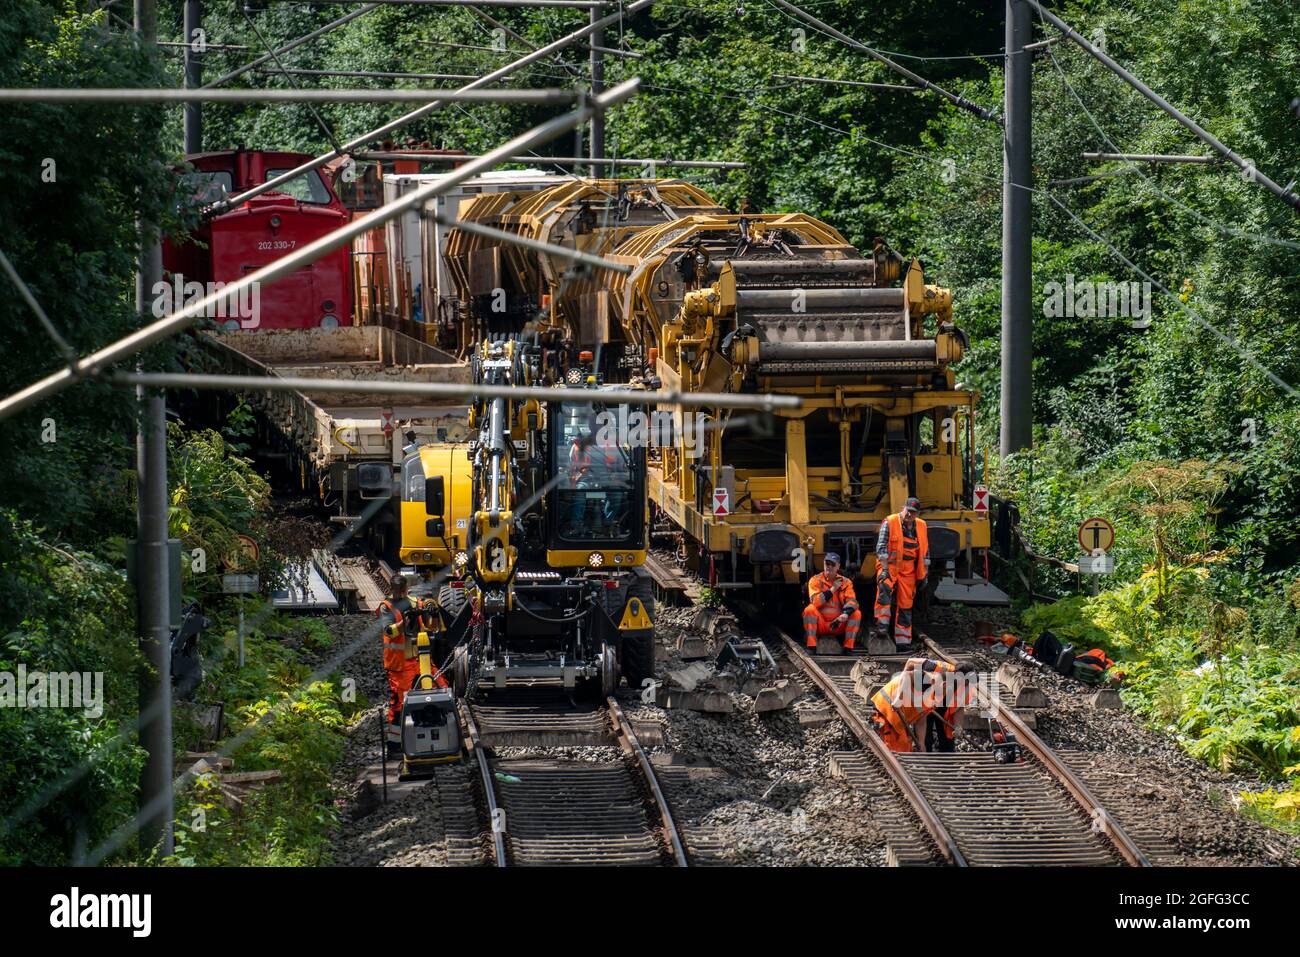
(216, 496)
(72, 180)
(78, 617)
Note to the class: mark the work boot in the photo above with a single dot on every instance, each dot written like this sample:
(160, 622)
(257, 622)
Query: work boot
(846, 649)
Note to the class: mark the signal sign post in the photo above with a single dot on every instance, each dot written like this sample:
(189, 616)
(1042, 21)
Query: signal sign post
(1096, 536)
(981, 498)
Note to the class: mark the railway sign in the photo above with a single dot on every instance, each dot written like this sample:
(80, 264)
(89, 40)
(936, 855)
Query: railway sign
(244, 557)
(1096, 534)
(386, 421)
(981, 498)
(721, 502)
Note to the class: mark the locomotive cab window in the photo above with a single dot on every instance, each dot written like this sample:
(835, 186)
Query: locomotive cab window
(598, 481)
(308, 188)
(207, 186)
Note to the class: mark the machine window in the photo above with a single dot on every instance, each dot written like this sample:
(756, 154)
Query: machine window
(307, 188)
(207, 186)
(594, 476)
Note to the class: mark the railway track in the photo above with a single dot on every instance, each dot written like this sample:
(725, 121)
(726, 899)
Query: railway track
(965, 808)
(547, 810)
(974, 811)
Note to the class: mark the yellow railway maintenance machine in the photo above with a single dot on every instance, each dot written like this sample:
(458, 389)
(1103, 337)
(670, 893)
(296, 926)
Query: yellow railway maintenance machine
(547, 577)
(784, 304)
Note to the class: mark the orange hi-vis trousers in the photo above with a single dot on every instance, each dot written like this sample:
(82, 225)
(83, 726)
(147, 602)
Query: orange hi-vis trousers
(819, 617)
(816, 625)
(399, 682)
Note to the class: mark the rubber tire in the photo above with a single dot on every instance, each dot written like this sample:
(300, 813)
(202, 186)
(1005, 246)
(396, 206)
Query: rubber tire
(451, 601)
(460, 671)
(609, 672)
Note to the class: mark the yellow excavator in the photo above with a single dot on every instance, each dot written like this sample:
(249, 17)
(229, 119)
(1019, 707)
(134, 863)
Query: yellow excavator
(535, 532)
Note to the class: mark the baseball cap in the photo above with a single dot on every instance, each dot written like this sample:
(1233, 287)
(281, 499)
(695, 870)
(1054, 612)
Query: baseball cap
(833, 557)
(913, 505)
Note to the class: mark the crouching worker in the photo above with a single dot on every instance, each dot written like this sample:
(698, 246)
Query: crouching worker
(833, 611)
(909, 699)
(950, 693)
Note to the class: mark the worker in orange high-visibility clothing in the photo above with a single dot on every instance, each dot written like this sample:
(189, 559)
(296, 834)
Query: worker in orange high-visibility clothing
(950, 693)
(909, 698)
(902, 563)
(398, 616)
(833, 611)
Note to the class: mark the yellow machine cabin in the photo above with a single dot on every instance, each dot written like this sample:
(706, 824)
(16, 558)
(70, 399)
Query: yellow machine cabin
(784, 304)
(426, 543)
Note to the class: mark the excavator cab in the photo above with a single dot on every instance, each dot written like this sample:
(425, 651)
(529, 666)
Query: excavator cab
(596, 503)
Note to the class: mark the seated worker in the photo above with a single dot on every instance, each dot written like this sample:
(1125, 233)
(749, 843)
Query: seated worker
(913, 695)
(833, 611)
(597, 465)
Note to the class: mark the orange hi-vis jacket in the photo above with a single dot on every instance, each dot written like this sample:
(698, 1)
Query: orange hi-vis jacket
(399, 648)
(583, 457)
(909, 696)
(843, 598)
(898, 557)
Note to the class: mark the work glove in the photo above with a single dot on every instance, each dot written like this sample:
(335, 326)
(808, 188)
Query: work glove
(826, 596)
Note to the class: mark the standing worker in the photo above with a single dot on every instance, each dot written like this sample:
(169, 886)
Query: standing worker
(398, 616)
(923, 689)
(833, 611)
(902, 563)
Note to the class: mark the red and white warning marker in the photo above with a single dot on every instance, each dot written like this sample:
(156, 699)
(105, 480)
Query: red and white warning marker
(981, 498)
(721, 502)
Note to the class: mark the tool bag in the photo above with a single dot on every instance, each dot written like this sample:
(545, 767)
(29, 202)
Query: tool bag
(1049, 650)
(1091, 666)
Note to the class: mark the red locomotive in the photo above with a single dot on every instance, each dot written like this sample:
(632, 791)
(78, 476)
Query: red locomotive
(233, 243)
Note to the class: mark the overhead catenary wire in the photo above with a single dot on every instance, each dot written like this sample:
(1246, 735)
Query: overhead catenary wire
(135, 96)
(1245, 165)
(380, 132)
(954, 98)
(389, 156)
(1151, 184)
(170, 325)
(453, 390)
(898, 87)
(292, 45)
(320, 120)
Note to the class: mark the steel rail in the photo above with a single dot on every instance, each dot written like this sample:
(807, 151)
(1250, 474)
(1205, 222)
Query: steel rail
(452, 390)
(866, 736)
(1097, 814)
(627, 738)
(489, 792)
(169, 326)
